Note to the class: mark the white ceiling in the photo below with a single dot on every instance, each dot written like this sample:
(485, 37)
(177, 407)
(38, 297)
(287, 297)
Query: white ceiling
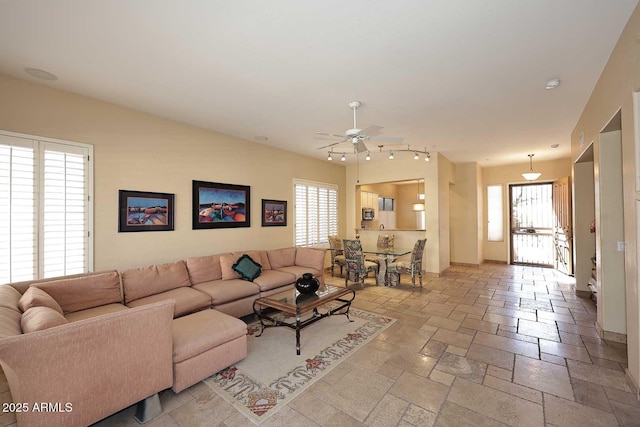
(462, 77)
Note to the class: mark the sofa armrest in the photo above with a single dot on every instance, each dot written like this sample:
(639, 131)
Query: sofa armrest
(87, 370)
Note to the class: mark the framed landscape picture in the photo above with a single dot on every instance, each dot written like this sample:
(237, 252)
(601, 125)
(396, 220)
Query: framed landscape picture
(217, 205)
(145, 211)
(274, 213)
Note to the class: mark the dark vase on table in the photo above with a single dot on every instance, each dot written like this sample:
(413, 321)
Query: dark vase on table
(307, 284)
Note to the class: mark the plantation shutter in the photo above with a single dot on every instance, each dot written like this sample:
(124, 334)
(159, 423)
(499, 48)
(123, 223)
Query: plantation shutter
(65, 232)
(44, 208)
(316, 212)
(18, 219)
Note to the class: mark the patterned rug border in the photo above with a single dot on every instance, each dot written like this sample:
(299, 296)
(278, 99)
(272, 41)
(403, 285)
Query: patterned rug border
(258, 402)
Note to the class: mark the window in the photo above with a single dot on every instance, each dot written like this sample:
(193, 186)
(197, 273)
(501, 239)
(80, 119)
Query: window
(315, 212)
(45, 210)
(495, 227)
(385, 204)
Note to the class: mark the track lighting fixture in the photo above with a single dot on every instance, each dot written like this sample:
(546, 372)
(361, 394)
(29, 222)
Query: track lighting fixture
(391, 153)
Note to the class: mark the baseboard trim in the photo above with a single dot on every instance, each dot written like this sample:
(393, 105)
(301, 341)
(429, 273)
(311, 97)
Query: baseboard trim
(464, 264)
(495, 261)
(633, 385)
(611, 336)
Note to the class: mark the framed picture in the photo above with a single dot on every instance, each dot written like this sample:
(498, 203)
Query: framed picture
(217, 205)
(145, 211)
(274, 213)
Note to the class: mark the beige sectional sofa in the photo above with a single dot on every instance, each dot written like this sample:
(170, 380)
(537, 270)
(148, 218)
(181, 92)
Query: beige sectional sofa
(93, 344)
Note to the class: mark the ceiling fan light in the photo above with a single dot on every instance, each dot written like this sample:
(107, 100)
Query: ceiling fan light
(391, 155)
(343, 158)
(415, 156)
(329, 156)
(368, 156)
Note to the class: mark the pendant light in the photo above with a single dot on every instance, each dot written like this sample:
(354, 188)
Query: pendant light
(418, 207)
(531, 175)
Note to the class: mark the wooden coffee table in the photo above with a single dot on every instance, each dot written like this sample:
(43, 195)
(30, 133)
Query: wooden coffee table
(296, 304)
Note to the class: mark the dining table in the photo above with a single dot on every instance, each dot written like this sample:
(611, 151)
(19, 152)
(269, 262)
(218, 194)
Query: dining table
(385, 257)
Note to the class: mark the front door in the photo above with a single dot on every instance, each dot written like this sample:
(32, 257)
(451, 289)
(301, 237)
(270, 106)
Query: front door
(562, 230)
(532, 224)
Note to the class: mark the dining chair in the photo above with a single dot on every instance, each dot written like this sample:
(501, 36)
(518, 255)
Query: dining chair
(384, 242)
(337, 254)
(357, 267)
(412, 266)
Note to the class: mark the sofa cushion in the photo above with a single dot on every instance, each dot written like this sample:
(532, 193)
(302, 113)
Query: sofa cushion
(199, 332)
(247, 267)
(264, 259)
(95, 311)
(9, 297)
(35, 297)
(204, 268)
(222, 291)
(298, 271)
(187, 300)
(9, 322)
(272, 279)
(311, 257)
(39, 318)
(226, 265)
(154, 279)
(79, 293)
(282, 257)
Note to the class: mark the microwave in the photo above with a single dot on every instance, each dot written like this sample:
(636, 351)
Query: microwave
(368, 214)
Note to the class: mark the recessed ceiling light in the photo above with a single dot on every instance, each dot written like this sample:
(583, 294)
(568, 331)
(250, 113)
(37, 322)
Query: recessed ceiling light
(552, 84)
(555, 145)
(261, 138)
(40, 74)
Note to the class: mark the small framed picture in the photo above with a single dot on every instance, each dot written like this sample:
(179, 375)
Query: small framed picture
(274, 213)
(217, 205)
(145, 211)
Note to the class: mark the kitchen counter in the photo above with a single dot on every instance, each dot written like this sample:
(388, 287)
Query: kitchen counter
(388, 229)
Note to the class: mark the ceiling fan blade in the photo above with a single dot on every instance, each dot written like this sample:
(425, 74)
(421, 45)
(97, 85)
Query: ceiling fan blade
(371, 129)
(361, 147)
(335, 143)
(329, 134)
(387, 139)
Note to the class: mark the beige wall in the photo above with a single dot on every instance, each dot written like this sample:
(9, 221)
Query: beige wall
(619, 79)
(137, 151)
(512, 174)
(466, 215)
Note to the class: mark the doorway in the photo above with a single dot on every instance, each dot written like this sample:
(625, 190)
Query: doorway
(532, 224)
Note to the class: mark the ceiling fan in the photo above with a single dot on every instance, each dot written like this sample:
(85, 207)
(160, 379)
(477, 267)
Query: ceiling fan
(357, 137)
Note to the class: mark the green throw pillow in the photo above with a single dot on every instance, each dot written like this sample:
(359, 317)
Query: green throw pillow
(247, 268)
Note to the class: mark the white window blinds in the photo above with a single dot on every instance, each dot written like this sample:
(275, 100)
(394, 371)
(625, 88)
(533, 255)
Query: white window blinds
(316, 212)
(495, 226)
(44, 208)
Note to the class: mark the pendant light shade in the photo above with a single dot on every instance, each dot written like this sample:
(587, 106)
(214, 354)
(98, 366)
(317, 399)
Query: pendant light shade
(531, 175)
(418, 207)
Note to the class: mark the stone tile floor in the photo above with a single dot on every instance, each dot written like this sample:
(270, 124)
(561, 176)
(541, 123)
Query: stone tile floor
(490, 346)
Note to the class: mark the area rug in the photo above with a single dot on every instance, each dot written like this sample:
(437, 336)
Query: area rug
(272, 375)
